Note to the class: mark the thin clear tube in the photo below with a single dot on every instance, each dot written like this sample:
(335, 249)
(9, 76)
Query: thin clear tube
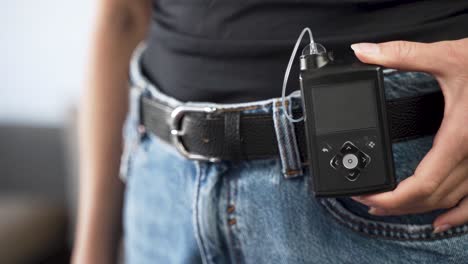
(288, 70)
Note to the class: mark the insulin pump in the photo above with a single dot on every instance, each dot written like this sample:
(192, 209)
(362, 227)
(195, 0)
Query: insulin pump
(344, 111)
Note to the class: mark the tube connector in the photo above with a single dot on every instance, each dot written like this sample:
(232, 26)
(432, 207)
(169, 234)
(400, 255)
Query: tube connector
(314, 56)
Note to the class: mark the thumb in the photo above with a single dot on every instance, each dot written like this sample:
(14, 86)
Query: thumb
(402, 55)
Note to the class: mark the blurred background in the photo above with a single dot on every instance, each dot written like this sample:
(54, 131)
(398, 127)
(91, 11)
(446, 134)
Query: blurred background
(43, 51)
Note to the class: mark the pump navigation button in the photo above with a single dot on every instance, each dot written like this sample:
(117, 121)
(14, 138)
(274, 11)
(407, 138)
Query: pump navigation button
(350, 161)
(335, 161)
(348, 147)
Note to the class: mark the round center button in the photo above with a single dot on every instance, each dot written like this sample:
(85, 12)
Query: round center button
(350, 161)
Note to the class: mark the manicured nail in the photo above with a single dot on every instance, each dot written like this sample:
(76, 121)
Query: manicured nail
(376, 211)
(441, 228)
(367, 48)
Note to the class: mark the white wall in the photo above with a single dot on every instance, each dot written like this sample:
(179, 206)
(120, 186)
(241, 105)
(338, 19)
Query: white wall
(43, 50)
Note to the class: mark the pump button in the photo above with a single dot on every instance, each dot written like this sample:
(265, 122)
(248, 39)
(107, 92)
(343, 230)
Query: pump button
(335, 162)
(364, 159)
(350, 161)
(348, 147)
(352, 175)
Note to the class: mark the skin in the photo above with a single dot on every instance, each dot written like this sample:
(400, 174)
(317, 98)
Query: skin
(439, 182)
(120, 26)
(441, 179)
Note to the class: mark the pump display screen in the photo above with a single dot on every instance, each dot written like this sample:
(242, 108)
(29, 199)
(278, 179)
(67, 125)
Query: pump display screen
(345, 106)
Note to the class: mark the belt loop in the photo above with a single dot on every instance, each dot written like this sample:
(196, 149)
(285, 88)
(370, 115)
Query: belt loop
(287, 142)
(141, 127)
(136, 95)
(232, 140)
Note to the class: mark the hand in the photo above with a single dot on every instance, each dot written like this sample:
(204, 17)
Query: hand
(441, 179)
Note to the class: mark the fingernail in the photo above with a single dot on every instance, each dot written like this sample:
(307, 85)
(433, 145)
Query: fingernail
(374, 211)
(367, 48)
(441, 228)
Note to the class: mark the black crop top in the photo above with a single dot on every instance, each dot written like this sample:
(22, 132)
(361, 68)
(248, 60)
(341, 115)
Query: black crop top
(233, 50)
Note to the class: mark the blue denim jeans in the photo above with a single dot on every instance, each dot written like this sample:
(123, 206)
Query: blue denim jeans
(262, 211)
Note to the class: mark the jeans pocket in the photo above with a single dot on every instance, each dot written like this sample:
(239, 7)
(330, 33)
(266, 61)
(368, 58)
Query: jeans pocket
(354, 215)
(415, 227)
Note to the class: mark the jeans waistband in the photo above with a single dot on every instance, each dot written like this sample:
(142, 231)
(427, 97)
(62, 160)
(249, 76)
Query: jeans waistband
(287, 144)
(397, 84)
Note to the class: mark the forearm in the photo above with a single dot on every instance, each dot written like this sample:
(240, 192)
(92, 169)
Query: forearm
(103, 109)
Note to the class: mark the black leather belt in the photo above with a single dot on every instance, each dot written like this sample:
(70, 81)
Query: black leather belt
(205, 133)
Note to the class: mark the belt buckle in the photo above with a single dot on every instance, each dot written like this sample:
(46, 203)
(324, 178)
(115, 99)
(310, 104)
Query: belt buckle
(176, 132)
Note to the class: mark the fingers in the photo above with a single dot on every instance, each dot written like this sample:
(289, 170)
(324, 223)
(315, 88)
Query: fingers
(433, 170)
(447, 195)
(402, 198)
(455, 217)
(403, 55)
(450, 200)
(444, 156)
(453, 189)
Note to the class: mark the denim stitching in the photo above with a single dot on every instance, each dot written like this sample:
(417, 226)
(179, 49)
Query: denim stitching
(279, 136)
(235, 241)
(196, 219)
(295, 150)
(234, 247)
(386, 230)
(229, 230)
(287, 144)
